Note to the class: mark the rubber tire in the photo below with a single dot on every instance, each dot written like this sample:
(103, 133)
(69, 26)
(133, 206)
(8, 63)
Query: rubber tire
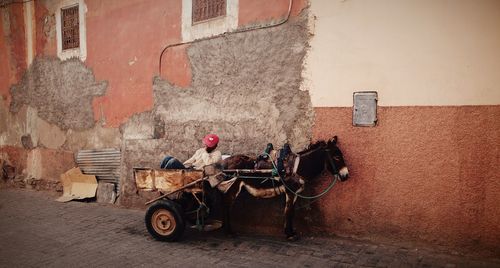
(176, 210)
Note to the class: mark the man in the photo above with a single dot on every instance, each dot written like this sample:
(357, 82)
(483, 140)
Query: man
(202, 157)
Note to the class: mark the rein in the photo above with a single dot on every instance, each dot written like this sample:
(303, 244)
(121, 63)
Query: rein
(330, 160)
(327, 189)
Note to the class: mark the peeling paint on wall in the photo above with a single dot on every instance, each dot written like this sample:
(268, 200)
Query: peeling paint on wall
(61, 91)
(245, 88)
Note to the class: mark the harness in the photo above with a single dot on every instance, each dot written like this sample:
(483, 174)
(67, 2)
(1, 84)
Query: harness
(281, 172)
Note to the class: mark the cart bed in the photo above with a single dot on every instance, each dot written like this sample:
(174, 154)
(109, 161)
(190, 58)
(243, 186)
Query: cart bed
(166, 180)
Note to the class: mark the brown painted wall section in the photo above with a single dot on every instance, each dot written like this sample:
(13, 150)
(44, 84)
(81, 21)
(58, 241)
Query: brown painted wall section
(424, 173)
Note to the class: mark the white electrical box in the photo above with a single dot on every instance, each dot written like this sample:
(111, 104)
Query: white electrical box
(364, 112)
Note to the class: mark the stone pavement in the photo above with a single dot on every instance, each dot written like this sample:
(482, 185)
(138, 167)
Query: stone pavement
(36, 231)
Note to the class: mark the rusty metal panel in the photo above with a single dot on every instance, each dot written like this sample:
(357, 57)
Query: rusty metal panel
(165, 180)
(208, 9)
(144, 179)
(169, 180)
(70, 28)
(365, 109)
(103, 163)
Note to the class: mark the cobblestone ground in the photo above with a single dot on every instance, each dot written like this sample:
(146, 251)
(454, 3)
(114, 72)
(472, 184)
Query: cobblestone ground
(36, 231)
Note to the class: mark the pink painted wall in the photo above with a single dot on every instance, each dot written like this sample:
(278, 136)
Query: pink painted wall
(124, 41)
(45, 31)
(261, 11)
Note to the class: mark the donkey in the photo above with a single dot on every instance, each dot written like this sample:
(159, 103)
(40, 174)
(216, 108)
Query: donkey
(296, 169)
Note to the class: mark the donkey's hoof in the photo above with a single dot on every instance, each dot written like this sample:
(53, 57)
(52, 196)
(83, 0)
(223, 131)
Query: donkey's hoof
(292, 238)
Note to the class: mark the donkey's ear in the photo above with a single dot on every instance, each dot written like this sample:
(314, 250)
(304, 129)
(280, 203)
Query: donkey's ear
(334, 140)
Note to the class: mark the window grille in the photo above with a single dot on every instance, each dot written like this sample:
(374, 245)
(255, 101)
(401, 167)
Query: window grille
(70, 28)
(208, 9)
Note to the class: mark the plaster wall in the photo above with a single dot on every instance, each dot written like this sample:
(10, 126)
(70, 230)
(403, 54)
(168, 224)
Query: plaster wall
(62, 92)
(13, 49)
(245, 88)
(215, 26)
(424, 174)
(29, 31)
(4, 54)
(128, 58)
(45, 28)
(412, 52)
(259, 12)
(11, 126)
(47, 164)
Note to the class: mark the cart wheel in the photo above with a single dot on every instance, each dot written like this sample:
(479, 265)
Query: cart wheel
(165, 221)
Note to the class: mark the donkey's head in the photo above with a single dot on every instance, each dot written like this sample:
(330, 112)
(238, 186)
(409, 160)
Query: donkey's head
(335, 159)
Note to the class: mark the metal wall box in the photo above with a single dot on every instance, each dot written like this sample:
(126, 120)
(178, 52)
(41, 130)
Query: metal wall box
(364, 112)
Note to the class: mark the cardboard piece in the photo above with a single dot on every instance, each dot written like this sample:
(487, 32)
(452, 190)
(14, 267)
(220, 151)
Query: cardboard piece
(76, 185)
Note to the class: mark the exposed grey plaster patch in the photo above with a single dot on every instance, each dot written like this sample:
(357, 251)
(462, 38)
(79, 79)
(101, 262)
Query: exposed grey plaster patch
(139, 126)
(246, 87)
(61, 91)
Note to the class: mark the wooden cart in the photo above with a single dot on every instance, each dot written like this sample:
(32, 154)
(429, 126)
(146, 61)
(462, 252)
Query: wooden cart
(183, 201)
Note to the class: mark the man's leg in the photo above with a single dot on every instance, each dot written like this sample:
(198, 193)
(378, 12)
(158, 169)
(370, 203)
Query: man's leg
(163, 163)
(174, 164)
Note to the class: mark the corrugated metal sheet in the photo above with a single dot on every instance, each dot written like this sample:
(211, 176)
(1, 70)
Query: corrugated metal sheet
(103, 163)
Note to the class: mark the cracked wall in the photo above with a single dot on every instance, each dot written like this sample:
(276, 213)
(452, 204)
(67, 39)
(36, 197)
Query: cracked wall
(61, 91)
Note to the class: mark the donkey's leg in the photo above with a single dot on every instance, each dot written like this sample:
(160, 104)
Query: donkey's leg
(228, 202)
(296, 184)
(226, 210)
(289, 213)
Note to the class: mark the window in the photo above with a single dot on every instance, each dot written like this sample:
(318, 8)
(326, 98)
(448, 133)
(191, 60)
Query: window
(70, 28)
(208, 9)
(204, 18)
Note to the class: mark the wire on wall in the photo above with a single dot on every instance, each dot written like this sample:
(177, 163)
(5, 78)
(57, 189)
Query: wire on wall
(284, 20)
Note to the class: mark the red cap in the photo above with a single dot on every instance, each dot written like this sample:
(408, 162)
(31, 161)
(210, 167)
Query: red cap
(211, 140)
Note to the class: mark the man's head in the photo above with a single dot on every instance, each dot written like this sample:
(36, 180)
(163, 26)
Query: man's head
(211, 141)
